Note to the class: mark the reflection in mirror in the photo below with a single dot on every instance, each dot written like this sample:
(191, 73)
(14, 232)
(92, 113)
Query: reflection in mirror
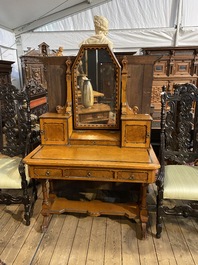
(96, 88)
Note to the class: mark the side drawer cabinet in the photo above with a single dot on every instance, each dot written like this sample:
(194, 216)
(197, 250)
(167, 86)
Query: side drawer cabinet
(136, 130)
(55, 129)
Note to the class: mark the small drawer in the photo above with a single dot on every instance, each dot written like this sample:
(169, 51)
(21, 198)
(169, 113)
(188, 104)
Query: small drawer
(47, 173)
(88, 173)
(133, 176)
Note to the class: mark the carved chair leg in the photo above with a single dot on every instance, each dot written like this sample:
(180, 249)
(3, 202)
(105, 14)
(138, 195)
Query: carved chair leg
(27, 213)
(28, 201)
(34, 190)
(159, 214)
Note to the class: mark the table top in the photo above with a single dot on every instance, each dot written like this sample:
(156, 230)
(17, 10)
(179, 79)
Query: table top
(93, 156)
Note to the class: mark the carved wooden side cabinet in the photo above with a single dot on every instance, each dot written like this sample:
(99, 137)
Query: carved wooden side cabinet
(95, 140)
(5, 72)
(176, 65)
(34, 74)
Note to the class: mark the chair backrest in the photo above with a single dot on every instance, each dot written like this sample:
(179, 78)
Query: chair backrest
(15, 119)
(179, 125)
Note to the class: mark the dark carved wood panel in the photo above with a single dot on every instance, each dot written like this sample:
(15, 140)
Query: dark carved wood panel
(34, 74)
(5, 72)
(176, 65)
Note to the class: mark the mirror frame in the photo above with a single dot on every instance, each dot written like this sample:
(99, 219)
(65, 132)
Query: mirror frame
(76, 123)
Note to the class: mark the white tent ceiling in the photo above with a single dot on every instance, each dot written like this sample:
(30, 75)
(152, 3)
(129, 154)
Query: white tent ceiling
(25, 15)
(133, 24)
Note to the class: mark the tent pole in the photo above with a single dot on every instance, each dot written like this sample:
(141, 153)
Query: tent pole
(179, 13)
(19, 53)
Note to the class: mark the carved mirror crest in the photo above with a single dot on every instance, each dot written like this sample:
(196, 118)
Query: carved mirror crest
(96, 88)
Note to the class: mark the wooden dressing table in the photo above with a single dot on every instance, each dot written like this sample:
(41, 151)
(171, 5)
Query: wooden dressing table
(116, 151)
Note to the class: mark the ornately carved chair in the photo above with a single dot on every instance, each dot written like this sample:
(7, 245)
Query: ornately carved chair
(18, 137)
(178, 177)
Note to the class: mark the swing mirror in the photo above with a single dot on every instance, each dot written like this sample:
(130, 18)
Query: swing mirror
(96, 83)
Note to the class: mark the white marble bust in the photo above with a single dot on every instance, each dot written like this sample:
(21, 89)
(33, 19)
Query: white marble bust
(101, 29)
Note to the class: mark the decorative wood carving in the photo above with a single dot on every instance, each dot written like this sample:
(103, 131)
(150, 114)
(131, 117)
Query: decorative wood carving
(34, 76)
(5, 72)
(179, 130)
(18, 139)
(69, 89)
(176, 65)
(178, 146)
(15, 124)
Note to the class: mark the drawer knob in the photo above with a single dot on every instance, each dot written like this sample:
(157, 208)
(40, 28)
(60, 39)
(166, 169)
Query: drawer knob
(47, 173)
(88, 174)
(132, 177)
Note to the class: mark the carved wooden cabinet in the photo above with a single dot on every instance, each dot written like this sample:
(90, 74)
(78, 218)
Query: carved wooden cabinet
(5, 78)
(5, 72)
(33, 73)
(94, 151)
(176, 65)
(33, 68)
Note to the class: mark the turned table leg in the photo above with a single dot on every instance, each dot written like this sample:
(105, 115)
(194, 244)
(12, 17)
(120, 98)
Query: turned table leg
(45, 206)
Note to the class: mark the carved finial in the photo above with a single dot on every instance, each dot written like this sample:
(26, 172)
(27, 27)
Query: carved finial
(68, 64)
(60, 51)
(68, 103)
(135, 110)
(124, 65)
(60, 109)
